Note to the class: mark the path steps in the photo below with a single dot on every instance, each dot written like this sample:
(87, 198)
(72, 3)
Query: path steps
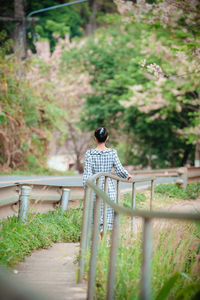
(53, 272)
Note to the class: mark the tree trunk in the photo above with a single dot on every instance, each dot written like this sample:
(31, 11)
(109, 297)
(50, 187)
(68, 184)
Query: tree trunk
(185, 157)
(92, 25)
(20, 30)
(79, 166)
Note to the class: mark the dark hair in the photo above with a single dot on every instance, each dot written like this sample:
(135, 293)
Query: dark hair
(101, 134)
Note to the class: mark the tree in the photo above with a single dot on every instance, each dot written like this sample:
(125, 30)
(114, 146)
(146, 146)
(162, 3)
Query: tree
(154, 110)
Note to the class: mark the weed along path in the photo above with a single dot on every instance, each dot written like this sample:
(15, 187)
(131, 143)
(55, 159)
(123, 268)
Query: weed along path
(53, 272)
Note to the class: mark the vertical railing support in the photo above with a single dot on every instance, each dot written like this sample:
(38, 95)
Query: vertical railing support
(113, 258)
(105, 206)
(65, 199)
(90, 218)
(24, 203)
(133, 204)
(146, 262)
(84, 230)
(118, 193)
(152, 194)
(93, 257)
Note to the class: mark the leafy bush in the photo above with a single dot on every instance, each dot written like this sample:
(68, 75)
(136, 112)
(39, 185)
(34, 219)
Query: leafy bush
(41, 230)
(174, 191)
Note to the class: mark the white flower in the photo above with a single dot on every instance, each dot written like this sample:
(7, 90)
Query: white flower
(143, 63)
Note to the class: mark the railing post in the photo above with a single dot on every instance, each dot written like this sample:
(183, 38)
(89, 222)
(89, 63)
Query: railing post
(90, 218)
(133, 206)
(24, 203)
(152, 194)
(183, 177)
(105, 206)
(65, 199)
(118, 192)
(146, 262)
(93, 257)
(83, 242)
(113, 258)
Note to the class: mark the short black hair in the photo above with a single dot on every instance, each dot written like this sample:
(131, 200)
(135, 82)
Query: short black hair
(101, 134)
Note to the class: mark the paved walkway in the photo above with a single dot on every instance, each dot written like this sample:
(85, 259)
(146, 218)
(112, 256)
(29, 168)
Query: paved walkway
(53, 272)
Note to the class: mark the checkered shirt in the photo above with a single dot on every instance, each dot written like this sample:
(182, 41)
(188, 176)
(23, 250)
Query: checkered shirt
(97, 161)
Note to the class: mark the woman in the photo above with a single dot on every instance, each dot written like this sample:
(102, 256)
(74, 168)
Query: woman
(103, 159)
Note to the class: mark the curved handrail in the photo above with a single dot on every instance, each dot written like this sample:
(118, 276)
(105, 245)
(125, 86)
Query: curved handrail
(113, 176)
(141, 213)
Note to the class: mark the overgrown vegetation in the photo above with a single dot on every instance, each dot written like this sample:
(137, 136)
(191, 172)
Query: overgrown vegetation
(172, 190)
(146, 93)
(164, 194)
(176, 250)
(18, 240)
(175, 268)
(27, 120)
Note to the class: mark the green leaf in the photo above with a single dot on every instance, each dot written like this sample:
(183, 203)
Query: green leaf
(167, 287)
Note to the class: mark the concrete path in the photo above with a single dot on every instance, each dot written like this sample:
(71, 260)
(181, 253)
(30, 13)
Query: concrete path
(53, 272)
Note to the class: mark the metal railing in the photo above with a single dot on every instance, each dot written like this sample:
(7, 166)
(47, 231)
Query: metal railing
(22, 195)
(118, 210)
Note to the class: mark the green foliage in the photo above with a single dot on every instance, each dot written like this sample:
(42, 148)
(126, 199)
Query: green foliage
(164, 293)
(172, 190)
(156, 134)
(171, 274)
(26, 118)
(140, 197)
(18, 240)
(55, 24)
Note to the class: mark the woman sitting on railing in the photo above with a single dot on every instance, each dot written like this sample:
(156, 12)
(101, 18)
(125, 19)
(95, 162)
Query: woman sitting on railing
(102, 160)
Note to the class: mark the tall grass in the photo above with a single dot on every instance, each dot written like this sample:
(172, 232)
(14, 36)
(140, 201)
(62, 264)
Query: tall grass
(175, 264)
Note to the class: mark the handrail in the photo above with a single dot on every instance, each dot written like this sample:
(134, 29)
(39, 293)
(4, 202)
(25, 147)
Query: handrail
(23, 194)
(113, 176)
(118, 209)
(142, 213)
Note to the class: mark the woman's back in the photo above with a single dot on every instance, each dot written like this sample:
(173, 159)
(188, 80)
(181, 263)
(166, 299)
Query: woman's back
(102, 161)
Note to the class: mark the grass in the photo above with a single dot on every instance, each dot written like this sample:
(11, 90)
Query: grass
(175, 257)
(164, 194)
(38, 171)
(18, 240)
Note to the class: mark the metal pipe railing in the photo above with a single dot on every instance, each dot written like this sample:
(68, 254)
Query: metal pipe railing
(118, 210)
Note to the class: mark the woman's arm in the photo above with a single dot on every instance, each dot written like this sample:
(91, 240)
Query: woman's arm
(119, 169)
(87, 169)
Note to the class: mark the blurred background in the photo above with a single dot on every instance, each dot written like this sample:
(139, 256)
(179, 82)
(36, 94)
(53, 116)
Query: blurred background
(131, 66)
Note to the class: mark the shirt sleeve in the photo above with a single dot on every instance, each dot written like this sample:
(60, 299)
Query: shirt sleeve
(119, 169)
(87, 169)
